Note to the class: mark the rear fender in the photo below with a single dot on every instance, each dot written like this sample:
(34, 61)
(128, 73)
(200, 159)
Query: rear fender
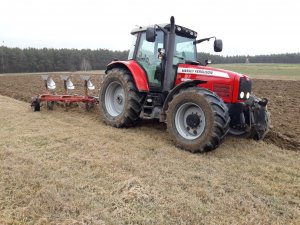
(138, 74)
(174, 91)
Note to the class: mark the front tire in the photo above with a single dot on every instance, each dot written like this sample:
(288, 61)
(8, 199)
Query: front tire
(120, 101)
(197, 120)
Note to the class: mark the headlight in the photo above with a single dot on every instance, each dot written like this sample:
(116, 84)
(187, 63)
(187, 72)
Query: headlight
(242, 94)
(245, 87)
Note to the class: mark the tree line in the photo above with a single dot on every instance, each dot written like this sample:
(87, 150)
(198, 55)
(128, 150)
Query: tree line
(16, 60)
(273, 58)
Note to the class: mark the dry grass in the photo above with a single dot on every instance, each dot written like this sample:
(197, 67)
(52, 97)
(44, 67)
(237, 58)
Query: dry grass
(68, 168)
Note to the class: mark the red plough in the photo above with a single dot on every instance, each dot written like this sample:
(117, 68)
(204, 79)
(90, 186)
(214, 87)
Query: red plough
(50, 97)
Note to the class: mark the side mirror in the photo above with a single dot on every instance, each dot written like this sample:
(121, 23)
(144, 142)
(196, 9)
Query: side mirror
(150, 34)
(218, 45)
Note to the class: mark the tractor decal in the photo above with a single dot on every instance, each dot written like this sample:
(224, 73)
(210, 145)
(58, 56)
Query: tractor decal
(203, 72)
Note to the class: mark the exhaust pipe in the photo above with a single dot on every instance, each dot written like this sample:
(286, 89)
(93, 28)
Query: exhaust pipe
(169, 77)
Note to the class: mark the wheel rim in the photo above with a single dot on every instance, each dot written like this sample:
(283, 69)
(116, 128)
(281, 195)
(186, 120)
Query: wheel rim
(190, 121)
(114, 99)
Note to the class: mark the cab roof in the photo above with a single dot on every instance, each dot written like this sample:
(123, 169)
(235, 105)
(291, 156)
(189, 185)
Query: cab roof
(179, 30)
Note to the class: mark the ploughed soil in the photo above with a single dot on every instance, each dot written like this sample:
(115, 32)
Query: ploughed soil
(283, 95)
(284, 106)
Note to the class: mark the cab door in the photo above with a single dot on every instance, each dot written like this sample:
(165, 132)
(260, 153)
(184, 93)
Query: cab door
(147, 57)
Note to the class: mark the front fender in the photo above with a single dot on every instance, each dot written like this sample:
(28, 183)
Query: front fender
(138, 74)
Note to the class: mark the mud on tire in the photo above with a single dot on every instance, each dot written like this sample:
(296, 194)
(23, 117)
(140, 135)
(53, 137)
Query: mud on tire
(197, 120)
(120, 101)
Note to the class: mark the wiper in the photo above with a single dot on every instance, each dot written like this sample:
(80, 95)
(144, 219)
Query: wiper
(201, 40)
(179, 57)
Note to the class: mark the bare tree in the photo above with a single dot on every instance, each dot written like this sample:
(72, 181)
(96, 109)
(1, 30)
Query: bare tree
(85, 65)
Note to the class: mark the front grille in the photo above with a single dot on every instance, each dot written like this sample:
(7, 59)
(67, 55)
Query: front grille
(245, 86)
(222, 90)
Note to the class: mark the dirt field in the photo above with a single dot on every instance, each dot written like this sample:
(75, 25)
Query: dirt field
(284, 105)
(60, 167)
(283, 95)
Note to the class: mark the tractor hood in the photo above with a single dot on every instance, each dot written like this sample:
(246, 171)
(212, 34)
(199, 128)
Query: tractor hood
(231, 74)
(225, 83)
(207, 72)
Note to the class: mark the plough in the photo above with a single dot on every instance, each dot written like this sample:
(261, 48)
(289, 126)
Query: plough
(50, 97)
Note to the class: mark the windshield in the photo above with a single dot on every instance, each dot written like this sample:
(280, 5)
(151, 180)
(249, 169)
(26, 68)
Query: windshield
(184, 50)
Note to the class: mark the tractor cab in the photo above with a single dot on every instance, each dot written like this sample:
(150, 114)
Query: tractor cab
(146, 54)
(154, 47)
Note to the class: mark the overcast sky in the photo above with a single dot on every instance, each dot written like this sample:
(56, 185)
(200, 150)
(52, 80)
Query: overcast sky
(246, 26)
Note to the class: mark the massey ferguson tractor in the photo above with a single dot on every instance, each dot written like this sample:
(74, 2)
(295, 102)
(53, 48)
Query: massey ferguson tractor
(162, 79)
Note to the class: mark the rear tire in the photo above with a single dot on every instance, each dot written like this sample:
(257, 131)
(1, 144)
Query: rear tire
(197, 120)
(120, 101)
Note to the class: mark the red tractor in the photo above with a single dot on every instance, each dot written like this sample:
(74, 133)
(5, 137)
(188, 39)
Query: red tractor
(162, 79)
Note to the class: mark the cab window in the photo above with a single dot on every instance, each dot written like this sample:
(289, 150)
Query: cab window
(184, 50)
(133, 43)
(147, 56)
